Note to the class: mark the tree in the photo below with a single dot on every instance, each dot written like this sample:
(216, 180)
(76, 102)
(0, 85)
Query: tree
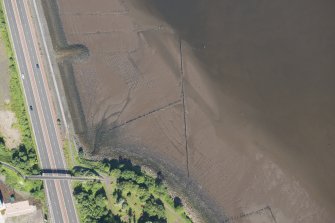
(154, 210)
(140, 179)
(81, 152)
(115, 173)
(36, 170)
(177, 202)
(128, 175)
(143, 194)
(91, 199)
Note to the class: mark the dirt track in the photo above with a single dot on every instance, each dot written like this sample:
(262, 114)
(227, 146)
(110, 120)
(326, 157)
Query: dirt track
(236, 105)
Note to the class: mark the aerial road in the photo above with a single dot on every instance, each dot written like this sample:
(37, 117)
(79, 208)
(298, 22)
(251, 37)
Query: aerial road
(41, 110)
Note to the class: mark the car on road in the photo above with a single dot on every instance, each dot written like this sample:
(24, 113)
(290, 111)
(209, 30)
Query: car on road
(37, 65)
(22, 76)
(31, 107)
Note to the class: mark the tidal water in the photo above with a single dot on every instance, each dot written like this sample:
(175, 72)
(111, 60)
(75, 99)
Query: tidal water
(278, 58)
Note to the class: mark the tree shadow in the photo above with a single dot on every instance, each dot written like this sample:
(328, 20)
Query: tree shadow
(60, 171)
(122, 164)
(177, 202)
(77, 170)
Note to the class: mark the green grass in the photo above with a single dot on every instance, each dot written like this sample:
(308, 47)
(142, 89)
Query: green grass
(16, 181)
(67, 154)
(5, 155)
(4, 32)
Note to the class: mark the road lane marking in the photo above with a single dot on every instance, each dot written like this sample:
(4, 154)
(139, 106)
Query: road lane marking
(45, 115)
(48, 197)
(50, 64)
(25, 51)
(34, 114)
(57, 184)
(53, 133)
(28, 61)
(48, 97)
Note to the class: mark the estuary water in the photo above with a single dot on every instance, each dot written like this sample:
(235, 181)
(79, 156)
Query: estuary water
(278, 59)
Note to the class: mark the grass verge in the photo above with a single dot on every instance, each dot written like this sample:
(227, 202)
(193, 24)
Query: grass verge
(67, 155)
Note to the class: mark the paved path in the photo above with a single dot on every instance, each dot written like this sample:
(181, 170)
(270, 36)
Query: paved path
(12, 168)
(42, 115)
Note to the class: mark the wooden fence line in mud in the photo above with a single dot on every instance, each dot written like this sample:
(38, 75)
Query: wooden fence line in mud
(248, 214)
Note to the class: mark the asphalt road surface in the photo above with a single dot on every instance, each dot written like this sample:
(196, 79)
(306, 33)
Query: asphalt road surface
(42, 115)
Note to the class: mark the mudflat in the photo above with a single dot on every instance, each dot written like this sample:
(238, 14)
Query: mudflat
(233, 100)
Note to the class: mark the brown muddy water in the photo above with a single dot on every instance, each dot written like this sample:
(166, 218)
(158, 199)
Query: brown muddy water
(277, 57)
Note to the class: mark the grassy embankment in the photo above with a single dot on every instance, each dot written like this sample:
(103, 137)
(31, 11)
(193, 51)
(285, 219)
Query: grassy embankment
(69, 153)
(129, 195)
(24, 157)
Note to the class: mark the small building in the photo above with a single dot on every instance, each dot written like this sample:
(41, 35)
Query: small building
(19, 208)
(8, 210)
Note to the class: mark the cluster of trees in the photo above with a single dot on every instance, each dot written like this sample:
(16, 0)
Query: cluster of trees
(131, 180)
(22, 158)
(153, 211)
(143, 188)
(92, 202)
(124, 170)
(138, 197)
(26, 159)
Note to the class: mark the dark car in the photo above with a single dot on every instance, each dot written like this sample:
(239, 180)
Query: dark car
(37, 65)
(31, 108)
